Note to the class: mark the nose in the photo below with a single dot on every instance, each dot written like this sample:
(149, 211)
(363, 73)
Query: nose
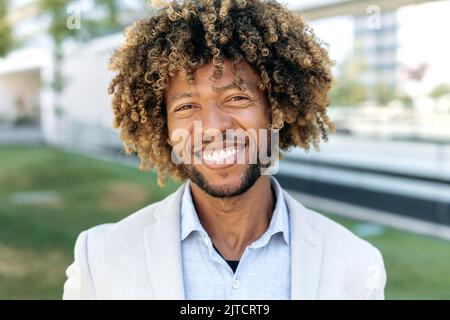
(213, 118)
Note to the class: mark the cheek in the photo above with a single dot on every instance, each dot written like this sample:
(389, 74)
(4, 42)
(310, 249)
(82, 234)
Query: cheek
(169, 127)
(180, 135)
(259, 116)
(174, 126)
(173, 123)
(255, 119)
(174, 136)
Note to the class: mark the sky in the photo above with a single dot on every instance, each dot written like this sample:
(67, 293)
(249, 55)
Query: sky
(338, 33)
(423, 38)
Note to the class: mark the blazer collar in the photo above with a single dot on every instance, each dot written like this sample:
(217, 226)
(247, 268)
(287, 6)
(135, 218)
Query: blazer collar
(306, 251)
(163, 249)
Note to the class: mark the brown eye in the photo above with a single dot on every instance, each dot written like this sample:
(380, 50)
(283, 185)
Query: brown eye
(185, 107)
(238, 98)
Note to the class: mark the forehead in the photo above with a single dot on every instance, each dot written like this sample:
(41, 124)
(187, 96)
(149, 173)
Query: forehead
(205, 83)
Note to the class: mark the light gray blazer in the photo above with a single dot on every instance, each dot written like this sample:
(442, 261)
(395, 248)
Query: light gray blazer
(140, 258)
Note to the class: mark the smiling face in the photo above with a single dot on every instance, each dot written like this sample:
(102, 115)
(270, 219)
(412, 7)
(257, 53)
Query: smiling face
(222, 164)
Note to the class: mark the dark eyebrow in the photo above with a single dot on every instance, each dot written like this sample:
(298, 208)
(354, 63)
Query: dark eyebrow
(183, 95)
(215, 88)
(230, 86)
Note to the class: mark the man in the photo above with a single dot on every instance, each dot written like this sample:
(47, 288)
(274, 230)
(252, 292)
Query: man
(211, 69)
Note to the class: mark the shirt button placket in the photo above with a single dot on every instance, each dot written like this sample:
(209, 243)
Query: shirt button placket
(236, 284)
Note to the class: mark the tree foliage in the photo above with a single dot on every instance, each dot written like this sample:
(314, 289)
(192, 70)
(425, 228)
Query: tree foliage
(6, 39)
(349, 90)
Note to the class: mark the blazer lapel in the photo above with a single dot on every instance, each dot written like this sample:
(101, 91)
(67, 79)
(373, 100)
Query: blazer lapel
(163, 249)
(306, 252)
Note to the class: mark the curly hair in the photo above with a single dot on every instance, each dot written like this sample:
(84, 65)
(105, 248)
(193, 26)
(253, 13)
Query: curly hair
(292, 63)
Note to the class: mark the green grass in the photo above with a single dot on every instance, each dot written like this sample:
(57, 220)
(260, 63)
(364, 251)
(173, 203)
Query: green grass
(36, 241)
(417, 266)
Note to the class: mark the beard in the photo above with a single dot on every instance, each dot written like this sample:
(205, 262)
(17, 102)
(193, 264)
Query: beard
(249, 178)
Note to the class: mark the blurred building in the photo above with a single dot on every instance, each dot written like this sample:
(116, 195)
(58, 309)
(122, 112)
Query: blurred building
(26, 76)
(376, 44)
(20, 85)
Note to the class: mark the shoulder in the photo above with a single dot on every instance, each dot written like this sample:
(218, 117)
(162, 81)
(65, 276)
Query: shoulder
(348, 262)
(114, 251)
(359, 262)
(132, 226)
(339, 237)
(332, 233)
(123, 241)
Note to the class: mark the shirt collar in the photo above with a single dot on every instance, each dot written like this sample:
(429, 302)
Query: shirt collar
(280, 218)
(189, 218)
(278, 224)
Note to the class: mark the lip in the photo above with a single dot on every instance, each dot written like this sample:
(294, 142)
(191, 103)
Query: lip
(217, 165)
(222, 145)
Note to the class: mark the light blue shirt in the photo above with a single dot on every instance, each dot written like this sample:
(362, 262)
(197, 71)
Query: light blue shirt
(264, 271)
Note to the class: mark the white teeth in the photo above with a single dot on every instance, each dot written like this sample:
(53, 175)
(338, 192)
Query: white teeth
(219, 156)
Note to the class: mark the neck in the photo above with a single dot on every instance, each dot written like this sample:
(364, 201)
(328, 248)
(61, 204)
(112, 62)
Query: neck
(235, 222)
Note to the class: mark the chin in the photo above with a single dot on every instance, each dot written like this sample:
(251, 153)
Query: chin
(230, 186)
(221, 184)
